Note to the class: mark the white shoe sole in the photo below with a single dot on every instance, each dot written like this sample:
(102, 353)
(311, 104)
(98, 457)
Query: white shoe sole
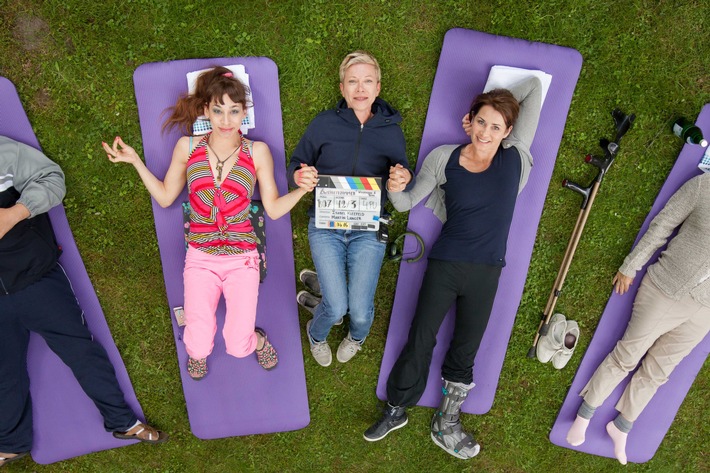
(476, 449)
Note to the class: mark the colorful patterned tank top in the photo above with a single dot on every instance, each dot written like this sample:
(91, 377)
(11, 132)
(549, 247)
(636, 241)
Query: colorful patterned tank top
(219, 215)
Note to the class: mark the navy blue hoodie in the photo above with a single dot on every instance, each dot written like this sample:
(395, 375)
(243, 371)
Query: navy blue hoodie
(337, 144)
(28, 251)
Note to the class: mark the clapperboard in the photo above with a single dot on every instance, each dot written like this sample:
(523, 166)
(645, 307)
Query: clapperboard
(348, 203)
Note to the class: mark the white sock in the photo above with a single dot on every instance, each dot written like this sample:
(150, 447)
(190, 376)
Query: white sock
(619, 439)
(576, 434)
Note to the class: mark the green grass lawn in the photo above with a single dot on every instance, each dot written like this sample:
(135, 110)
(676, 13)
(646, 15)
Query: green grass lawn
(73, 66)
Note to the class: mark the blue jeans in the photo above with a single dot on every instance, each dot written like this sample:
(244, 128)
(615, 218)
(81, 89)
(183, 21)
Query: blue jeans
(348, 265)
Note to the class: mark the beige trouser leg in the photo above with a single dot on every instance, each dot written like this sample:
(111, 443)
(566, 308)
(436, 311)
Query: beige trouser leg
(665, 331)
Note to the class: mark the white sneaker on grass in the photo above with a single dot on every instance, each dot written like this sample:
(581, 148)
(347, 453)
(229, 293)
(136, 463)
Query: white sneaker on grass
(347, 349)
(550, 343)
(320, 350)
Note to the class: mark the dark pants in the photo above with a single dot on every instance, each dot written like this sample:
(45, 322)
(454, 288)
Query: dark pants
(473, 288)
(49, 308)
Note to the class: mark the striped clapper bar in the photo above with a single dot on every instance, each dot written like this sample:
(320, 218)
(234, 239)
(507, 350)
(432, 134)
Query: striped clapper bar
(348, 202)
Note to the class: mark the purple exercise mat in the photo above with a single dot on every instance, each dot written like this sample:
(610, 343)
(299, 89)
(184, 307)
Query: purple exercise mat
(652, 425)
(66, 422)
(237, 397)
(466, 59)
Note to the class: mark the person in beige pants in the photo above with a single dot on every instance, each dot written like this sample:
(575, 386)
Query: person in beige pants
(671, 312)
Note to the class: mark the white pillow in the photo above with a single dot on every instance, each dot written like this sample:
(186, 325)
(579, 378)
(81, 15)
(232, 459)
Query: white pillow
(504, 77)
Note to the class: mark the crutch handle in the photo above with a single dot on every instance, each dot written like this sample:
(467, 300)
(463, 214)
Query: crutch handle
(594, 161)
(583, 191)
(623, 123)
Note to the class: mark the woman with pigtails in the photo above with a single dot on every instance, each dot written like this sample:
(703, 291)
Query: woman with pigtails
(221, 170)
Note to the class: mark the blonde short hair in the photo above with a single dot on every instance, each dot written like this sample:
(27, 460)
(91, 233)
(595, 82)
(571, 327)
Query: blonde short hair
(359, 57)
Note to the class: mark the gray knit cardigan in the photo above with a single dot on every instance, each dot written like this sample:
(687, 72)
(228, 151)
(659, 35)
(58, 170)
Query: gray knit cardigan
(684, 267)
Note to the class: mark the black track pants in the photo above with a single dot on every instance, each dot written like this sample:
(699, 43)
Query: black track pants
(472, 287)
(49, 308)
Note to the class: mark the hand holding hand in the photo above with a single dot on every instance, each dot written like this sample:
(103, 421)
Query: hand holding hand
(125, 154)
(466, 124)
(622, 283)
(306, 177)
(399, 178)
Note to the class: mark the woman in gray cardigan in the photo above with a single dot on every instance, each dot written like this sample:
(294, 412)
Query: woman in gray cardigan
(671, 313)
(473, 190)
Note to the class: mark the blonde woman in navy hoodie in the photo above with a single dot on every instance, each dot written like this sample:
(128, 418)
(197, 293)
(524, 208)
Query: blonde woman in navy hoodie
(360, 137)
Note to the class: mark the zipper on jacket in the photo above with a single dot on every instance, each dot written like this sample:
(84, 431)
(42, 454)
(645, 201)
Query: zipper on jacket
(3, 287)
(357, 148)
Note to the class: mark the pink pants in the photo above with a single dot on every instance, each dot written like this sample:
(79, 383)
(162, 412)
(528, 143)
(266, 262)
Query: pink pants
(207, 277)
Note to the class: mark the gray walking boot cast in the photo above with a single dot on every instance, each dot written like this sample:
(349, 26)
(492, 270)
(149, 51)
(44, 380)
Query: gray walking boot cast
(446, 429)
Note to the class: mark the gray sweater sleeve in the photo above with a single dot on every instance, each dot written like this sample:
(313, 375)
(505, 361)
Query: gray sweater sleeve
(39, 180)
(430, 176)
(679, 206)
(529, 95)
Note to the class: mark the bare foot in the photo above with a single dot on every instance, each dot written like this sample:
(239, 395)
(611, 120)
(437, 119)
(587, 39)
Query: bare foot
(577, 432)
(619, 439)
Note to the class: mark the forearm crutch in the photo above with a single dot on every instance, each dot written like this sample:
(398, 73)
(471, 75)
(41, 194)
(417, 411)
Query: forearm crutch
(623, 123)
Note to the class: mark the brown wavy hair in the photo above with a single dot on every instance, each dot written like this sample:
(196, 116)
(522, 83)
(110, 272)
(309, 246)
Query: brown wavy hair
(502, 101)
(211, 85)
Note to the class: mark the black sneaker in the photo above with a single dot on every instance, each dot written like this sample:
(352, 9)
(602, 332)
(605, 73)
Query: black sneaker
(394, 417)
(308, 301)
(309, 278)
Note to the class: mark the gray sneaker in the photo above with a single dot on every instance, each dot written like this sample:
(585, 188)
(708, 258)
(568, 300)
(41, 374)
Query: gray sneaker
(347, 349)
(308, 301)
(320, 350)
(309, 278)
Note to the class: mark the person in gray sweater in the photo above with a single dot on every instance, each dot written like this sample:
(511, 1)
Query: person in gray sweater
(37, 296)
(473, 188)
(671, 312)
